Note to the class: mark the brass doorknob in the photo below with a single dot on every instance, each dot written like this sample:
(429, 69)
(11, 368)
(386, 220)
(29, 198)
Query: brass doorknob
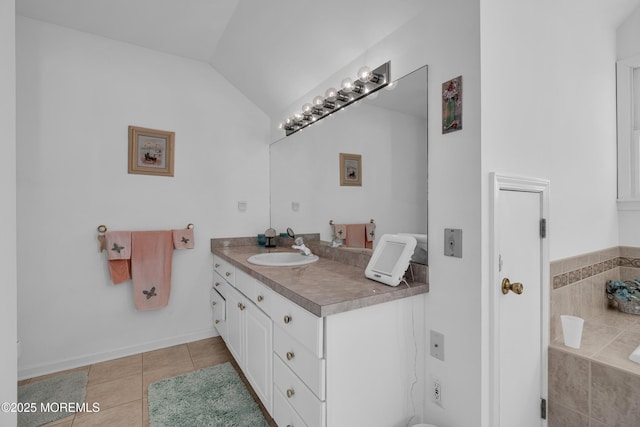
(514, 287)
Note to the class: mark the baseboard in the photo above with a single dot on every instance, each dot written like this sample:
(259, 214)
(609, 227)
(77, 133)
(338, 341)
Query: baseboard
(76, 362)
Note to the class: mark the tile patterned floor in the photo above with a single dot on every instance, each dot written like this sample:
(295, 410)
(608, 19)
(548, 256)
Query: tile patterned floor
(120, 385)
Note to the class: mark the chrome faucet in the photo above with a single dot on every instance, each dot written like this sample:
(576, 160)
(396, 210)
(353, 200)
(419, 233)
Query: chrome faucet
(301, 247)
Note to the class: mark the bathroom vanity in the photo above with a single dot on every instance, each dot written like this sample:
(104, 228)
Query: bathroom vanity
(321, 345)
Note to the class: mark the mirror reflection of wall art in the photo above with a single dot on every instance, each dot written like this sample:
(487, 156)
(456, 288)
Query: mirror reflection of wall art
(150, 151)
(452, 105)
(350, 169)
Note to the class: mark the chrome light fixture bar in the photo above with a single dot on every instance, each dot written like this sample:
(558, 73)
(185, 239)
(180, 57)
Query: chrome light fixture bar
(350, 91)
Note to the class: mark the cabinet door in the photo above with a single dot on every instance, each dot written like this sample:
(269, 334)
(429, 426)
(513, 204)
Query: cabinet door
(258, 353)
(235, 325)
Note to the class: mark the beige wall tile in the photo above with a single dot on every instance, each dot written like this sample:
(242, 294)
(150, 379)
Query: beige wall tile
(614, 396)
(568, 381)
(560, 416)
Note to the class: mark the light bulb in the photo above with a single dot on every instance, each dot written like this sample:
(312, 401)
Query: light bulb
(318, 101)
(346, 85)
(331, 94)
(280, 125)
(365, 74)
(306, 108)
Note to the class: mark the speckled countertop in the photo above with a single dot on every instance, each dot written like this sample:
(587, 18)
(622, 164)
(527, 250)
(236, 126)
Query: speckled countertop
(324, 287)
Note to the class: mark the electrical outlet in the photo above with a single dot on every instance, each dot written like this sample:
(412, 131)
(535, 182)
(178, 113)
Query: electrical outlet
(436, 395)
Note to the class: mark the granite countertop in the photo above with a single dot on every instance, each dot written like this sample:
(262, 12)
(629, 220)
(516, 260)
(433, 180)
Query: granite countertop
(324, 287)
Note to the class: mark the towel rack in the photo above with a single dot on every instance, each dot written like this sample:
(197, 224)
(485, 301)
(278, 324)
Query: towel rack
(371, 221)
(103, 229)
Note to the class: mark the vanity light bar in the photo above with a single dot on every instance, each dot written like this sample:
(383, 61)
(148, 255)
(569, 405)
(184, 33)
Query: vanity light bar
(368, 81)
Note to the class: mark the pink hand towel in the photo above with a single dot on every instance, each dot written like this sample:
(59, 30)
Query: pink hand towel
(183, 239)
(120, 270)
(151, 256)
(118, 245)
(340, 231)
(356, 236)
(370, 229)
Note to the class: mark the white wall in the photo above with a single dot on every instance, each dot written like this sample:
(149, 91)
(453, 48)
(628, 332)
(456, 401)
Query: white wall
(549, 111)
(77, 93)
(629, 46)
(8, 302)
(447, 39)
(628, 36)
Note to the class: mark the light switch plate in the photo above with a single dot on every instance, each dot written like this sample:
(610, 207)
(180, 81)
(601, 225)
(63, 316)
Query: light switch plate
(436, 344)
(453, 242)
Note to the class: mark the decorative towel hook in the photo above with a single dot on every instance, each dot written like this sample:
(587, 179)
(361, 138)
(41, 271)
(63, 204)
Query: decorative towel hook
(101, 230)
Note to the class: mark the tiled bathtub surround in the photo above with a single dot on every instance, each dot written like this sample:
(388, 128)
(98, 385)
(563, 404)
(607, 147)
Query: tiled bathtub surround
(578, 283)
(595, 385)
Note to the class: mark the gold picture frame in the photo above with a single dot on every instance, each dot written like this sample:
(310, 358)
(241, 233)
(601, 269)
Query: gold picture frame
(350, 170)
(151, 151)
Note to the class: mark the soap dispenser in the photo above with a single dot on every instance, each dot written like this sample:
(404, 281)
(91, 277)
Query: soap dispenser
(270, 234)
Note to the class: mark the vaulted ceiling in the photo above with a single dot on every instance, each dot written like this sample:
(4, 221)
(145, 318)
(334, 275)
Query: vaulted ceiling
(273, 51)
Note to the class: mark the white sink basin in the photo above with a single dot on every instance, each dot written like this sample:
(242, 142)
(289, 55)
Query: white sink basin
(282, 259)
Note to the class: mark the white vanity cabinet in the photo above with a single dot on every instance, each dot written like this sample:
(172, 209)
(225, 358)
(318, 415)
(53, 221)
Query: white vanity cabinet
(357, 367)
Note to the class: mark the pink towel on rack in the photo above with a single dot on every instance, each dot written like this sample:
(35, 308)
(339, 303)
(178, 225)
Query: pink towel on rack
(340, 231)
(370, 229)
(151, 256)
(356, 236)
(183, 239)
(120, 270)
(118, 245)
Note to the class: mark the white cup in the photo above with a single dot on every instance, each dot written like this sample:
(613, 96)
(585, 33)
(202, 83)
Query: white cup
(572, 330)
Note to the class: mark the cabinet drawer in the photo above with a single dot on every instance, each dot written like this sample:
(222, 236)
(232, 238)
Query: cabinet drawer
(283, 413)
(311, 410)
(255, 291)
(299, 323)
(301, 361)
(224, 269)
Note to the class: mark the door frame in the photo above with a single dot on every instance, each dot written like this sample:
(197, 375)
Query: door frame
(500, 182)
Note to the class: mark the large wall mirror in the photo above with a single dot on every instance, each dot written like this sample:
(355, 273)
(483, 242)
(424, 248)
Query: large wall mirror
(388, 130)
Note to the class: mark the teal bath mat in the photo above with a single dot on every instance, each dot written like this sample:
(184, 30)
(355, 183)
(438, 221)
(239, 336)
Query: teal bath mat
(214, 396)
(43, 399)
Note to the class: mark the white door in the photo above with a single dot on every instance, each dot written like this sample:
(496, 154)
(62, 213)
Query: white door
(519, 315)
